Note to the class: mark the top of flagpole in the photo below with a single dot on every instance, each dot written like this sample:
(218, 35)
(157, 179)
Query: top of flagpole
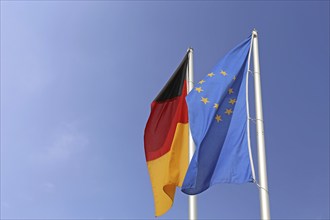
(254, 32)
(190, 49)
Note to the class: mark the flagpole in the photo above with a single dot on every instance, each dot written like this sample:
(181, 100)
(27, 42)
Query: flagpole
(190, 77)
(263, 182)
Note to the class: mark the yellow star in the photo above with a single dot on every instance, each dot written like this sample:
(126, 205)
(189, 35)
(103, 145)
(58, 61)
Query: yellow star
(218, 118)
(232, 101)
(199, 89)
(205, 100)
(230, 91)
(228, 111)
(201, 82)
(223, 73)
(234, 78)
(210, 74)
(216, 105)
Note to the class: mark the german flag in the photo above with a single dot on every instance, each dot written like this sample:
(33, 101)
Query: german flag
(166, 139)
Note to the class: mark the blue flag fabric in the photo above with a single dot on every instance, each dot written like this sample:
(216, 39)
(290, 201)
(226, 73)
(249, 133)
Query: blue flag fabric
(218, 119)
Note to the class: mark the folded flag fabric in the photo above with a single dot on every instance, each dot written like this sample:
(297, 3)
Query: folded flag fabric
(166, 140)
(218, 119)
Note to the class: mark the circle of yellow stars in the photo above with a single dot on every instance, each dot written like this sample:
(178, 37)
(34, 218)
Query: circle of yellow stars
(205, 100)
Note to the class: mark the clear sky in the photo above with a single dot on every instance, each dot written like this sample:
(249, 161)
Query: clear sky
(77, 80)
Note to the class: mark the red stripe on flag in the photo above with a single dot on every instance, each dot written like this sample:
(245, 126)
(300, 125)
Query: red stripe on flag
(161, 125)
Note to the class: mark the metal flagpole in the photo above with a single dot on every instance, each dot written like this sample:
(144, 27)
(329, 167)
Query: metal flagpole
(190, 77)
(263, 183)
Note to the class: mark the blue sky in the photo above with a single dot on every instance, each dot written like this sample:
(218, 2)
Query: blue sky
(77, 80)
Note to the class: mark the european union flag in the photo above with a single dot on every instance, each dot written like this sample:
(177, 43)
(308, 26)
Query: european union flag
(218, 120)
